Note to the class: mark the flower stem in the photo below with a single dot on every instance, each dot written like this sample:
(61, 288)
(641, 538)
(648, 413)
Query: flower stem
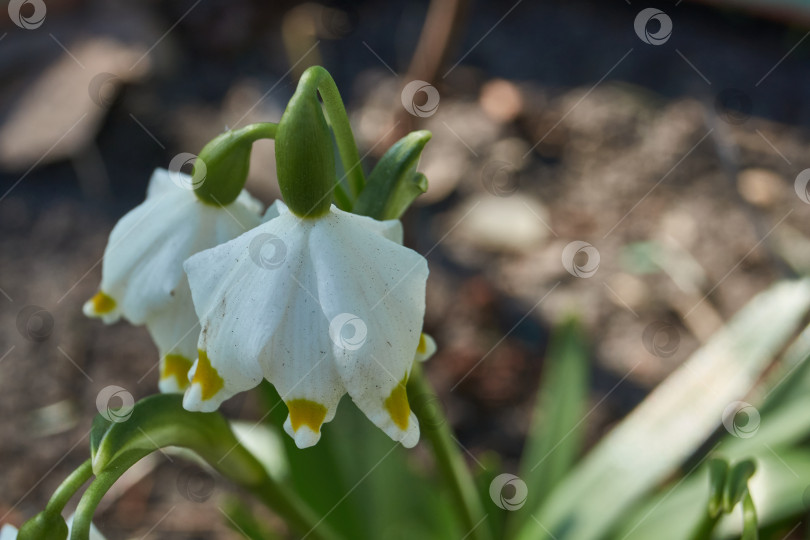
(69, 487)
(319, 78)
(93, 495)
(448, 458)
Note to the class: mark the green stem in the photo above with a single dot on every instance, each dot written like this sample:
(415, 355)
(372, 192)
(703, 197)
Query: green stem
(93, 495)
(69, 487)
(255, 132)
(704, 528)
(318, 77)
(449, 459)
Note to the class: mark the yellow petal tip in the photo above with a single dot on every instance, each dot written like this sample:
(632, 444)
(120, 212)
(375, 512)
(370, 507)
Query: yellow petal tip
(305, 412)
(177, 366)
(397, 405)
(102, 303)
(207, 377)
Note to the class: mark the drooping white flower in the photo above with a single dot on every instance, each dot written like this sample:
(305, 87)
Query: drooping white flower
(317, 306)
(142, 273)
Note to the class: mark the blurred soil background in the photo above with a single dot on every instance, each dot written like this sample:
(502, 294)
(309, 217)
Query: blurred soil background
(676, 162)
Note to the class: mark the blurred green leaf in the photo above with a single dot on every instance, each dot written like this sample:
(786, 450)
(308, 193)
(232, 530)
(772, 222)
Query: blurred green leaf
(363, 483)
(677, 417)
(779, 490)
(241, 519)
(750, 524)
(737, 483)
(718, 472)
(555, 438)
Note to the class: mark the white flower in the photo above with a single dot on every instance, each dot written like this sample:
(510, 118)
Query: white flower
(319, 307)
(9, 532)
(142, 274)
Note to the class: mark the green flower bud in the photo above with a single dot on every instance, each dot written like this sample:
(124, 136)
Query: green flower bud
(304, 155)
(221, 168)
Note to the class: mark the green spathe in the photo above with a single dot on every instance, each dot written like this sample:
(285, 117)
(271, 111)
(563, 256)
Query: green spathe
(221, 169)
(304, 158)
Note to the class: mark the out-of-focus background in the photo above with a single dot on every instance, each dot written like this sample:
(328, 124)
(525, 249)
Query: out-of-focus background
(669, 143)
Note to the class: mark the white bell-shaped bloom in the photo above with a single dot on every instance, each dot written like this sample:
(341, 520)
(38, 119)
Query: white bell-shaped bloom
(142, 273)
(319, 307)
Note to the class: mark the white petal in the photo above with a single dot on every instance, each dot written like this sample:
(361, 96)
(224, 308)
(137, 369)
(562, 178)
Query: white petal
(274, 210)
(8, 532)
(143, 261)
(372, 286)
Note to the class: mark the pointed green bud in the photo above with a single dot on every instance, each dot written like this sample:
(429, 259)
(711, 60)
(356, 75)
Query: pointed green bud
(737, 483)
(394, 183)
(44, 525)
(305, 159)
(221, 168)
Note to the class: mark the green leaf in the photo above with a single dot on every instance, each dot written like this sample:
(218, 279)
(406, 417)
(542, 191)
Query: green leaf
(673, 421)
(718, 473)
(241, 519)
(558, 426)
(737, 483)
(750, 524)
(393, 184)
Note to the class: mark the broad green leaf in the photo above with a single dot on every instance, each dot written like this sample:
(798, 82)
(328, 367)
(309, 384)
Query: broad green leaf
(558, 426)
(677, 417)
